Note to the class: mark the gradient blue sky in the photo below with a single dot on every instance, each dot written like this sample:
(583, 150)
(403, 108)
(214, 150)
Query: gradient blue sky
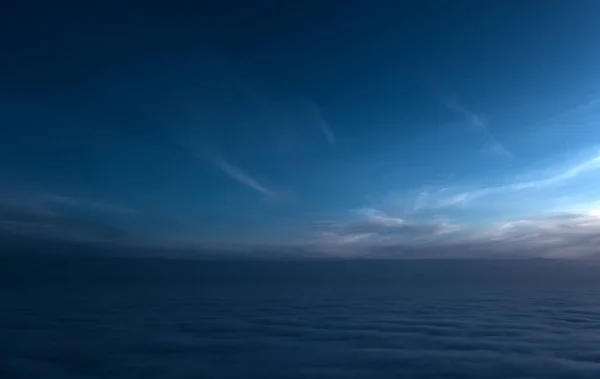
(344, 128)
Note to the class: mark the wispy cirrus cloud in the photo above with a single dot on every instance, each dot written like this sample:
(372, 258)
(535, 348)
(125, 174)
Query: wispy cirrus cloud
(563, 174)
(371, 228)
(308, 107)
(479, 123)
(46, 202)
(82, 203)
(204, 153)
(540, 180)
(564, 235)
(589, 108)
(554, 235)
(315, 112)
(363, 233)
(51, 216)
(239, 175)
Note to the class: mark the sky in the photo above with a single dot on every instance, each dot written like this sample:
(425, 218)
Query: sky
(386, 129)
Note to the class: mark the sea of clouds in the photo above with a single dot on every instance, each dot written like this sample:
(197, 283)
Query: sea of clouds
(303, 321)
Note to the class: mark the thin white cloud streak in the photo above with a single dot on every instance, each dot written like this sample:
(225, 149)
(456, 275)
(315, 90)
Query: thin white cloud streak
(374, 229)
(323, 126)
(46, 203)
(593, 104)
(570, 173)
(562, 235)
(378, 217)
(228, 168)
(239, 175)
(497, 149)
(81, 203)
(45, 216)
(443, 199)
(326, 130)
(312, 108)
(478, 121)
(279, 117)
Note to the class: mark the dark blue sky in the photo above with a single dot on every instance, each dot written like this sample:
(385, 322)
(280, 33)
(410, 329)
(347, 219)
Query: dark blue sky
(342, 127)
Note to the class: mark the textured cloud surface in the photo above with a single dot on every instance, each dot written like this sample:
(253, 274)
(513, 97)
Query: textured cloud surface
(535, 320)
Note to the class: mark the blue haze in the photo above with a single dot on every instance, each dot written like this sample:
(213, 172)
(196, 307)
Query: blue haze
(299, 189)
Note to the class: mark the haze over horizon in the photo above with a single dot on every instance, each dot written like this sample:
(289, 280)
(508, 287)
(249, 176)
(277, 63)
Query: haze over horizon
(272, 189)
(304, 129)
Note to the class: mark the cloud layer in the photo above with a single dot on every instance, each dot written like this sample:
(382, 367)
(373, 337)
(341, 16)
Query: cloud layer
(377, 235)
(497, 320)
(372, 227)
(365, 233)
